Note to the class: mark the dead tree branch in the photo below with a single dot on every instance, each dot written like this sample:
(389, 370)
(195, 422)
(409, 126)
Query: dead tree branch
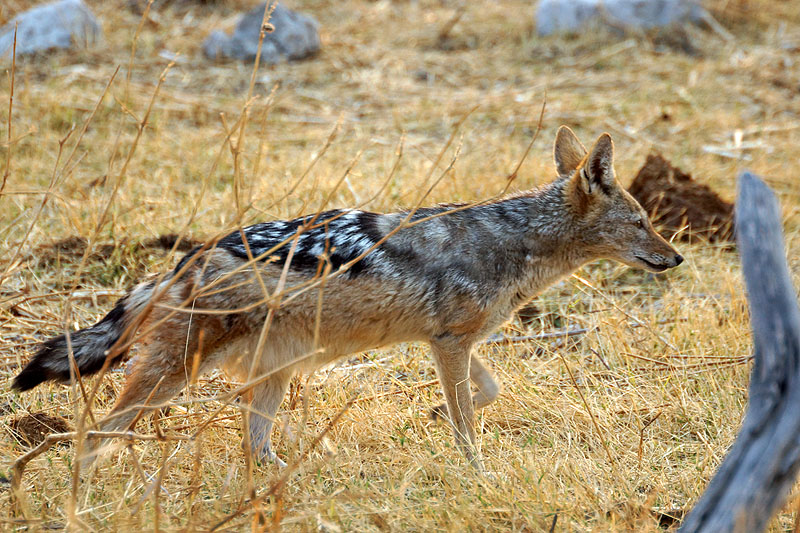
(755, 477)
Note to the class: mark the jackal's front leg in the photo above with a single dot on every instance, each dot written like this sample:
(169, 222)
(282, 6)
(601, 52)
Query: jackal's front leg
(452, 357)
(484, 381)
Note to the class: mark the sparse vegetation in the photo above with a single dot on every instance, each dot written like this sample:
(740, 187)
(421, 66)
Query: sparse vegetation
(617, 429)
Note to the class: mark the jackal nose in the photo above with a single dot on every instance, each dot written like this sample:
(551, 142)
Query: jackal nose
(678, 259)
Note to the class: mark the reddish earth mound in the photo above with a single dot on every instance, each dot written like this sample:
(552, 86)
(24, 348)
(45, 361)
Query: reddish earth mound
(677, 202)
(35, 427)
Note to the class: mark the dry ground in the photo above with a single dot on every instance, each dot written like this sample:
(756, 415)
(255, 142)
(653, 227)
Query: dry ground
(601, 433)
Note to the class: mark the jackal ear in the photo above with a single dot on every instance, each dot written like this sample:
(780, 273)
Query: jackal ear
(598, 171)
(568, 151)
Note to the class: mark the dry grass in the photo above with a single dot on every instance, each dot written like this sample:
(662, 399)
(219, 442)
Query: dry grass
(599, 433)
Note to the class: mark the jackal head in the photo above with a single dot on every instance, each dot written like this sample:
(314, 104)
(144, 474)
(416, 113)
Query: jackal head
(608, 221)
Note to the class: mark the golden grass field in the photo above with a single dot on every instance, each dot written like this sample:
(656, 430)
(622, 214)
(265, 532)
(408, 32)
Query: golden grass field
(608, 431)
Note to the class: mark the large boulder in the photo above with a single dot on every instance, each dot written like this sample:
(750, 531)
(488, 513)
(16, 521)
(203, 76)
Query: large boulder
(295, 36)
(61, 24)
(554, 16)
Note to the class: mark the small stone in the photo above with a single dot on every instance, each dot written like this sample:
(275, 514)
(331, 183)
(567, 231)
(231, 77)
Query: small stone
(293, 36)
(554, 16)
(63, 24)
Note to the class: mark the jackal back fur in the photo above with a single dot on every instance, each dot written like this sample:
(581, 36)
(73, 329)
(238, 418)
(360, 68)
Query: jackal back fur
(350, 281)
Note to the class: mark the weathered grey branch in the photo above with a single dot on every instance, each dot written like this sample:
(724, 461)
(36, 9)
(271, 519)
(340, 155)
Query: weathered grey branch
(755, 477)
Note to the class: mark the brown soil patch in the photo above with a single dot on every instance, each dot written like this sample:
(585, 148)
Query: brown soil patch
(168, 240)
(74, 247)
(33, 428)
(677, 202)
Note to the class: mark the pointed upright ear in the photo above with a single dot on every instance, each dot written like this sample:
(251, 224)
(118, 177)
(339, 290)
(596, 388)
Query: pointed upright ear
(568, 151)
(598, 172)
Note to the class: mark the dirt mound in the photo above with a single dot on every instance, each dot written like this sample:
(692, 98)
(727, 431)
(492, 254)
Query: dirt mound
(168, 240)
(677, 202)
(33, 428)
(74, 247)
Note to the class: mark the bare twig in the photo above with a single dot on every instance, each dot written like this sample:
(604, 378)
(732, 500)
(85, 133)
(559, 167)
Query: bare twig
(287, 472)
(513, 176)
(18, 468)
(600, 433)
(559, 334)
(7, 171)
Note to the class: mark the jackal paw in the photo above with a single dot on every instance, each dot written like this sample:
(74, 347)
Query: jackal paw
(270, 457)
(263, 454)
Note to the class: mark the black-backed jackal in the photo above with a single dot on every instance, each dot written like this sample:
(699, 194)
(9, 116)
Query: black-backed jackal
(449, 276)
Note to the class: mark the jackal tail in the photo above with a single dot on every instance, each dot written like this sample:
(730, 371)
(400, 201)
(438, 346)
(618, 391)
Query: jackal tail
(90, 346)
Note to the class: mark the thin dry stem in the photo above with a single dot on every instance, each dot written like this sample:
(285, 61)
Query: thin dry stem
(7, 170)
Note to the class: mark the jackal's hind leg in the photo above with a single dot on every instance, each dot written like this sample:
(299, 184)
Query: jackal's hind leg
(265, 400)
(452, 356)
(487, 388)
(155, 378)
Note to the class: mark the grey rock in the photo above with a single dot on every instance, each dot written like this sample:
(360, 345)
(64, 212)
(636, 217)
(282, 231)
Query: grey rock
(554, 16)
(296, 36)
(61, 24)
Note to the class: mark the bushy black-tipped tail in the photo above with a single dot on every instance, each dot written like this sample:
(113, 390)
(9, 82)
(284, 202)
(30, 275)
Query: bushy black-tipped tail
(90, 346)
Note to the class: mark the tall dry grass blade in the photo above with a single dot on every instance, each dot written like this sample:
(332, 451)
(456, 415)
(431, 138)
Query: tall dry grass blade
(600, 433)
(12, 263)
(287, 472)
(134, 42)
(269, 8)
(317, 157)
(56, 174)
(513, 176)
(7, 170)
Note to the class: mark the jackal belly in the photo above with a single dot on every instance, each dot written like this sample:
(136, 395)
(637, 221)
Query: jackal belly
(315, 329)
